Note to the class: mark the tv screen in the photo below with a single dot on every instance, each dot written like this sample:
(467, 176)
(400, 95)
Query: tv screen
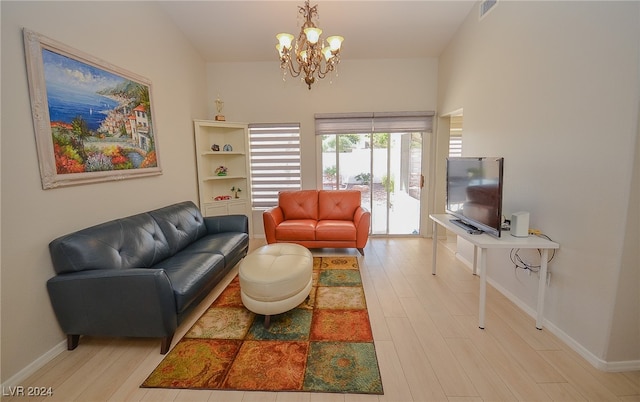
(474, 193)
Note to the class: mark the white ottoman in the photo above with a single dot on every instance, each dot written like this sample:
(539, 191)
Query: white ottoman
(275, 278)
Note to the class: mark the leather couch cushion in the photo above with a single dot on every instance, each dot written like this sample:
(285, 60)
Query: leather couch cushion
(338, 205)
(135, 241)
(301, 204)
(181, 223)
(335, 230)
(302, 229)
(229, 245)
(192, 273)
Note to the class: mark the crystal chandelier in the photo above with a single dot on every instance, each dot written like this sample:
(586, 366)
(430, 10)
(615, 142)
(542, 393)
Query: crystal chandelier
(307, 57)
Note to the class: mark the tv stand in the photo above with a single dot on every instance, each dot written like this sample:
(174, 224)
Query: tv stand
(483, 242)
(468, 228)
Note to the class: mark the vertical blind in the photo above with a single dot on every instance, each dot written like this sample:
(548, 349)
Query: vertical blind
(378, 122)
(275, 162)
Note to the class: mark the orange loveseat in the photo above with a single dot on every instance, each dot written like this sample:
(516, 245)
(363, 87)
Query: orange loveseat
(318, 219)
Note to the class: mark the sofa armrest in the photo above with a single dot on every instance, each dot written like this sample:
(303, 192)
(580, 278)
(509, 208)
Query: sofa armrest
(362, 221)
(124, 302)
(272, 217)
(227, 223)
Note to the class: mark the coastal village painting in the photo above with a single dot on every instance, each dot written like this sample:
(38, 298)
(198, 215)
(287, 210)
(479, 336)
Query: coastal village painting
(100, 123)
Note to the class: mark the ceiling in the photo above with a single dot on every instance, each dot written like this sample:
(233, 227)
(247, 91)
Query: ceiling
(244, 31)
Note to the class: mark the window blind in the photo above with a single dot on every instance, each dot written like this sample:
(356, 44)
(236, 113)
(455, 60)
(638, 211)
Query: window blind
(455, 145)
(275, 162)
(455, 136)
(378, 122)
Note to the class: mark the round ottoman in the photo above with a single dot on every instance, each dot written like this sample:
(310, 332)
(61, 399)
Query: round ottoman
(275, 278)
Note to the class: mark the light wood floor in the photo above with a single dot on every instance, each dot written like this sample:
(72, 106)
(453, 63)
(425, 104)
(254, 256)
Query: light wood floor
(427, 340)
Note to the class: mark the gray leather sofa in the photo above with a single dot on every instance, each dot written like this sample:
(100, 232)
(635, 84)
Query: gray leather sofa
(140, 276)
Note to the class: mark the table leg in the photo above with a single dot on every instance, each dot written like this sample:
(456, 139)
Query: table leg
(483, 286)
(542, 285)
(475, 260)
(435, 248)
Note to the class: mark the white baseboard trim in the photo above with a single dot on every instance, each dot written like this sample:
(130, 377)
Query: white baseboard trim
(617, 366)
(595, 361)
(467, 263)
(21, 376)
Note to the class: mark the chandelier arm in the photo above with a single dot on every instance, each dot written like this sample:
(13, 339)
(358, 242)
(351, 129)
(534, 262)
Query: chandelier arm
(292, 70)
(329, 67)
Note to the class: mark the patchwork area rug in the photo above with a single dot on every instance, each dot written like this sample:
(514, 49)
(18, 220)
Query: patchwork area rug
(323, 345)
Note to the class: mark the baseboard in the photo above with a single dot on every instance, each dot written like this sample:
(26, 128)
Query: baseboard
(467, 263)
(603, 365)
(630, 365)
(21, 376)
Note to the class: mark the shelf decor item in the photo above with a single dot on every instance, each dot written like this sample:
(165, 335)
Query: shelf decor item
(236, 190)
(221, 170)
(227, 148)
(219, 106)
(215, 147)
(93, 121)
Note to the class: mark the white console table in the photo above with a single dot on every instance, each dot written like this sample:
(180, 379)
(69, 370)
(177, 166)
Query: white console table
(481, 243)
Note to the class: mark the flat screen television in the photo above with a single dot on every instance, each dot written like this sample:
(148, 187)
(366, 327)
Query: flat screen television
(474, 193)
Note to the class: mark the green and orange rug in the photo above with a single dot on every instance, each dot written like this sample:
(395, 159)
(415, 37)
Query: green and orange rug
(323, 345)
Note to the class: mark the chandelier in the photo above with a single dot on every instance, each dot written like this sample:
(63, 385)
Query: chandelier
(310, 57)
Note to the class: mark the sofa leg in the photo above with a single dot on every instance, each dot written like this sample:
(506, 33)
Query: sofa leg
(267, 321)
(72, 341)
(361, 250)
(166, 344)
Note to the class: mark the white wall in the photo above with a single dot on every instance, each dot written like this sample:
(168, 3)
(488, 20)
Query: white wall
(256, 93)
(553, 87)
(135, 36)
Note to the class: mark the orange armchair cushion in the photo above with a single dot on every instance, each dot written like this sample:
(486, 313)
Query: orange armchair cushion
(301, 204)
(296, 229)
(336, 230)
(338, 205)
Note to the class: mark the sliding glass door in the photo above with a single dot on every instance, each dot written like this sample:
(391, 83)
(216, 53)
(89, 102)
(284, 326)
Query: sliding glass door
(385, 168)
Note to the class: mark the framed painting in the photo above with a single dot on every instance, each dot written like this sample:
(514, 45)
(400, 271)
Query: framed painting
(93, 121)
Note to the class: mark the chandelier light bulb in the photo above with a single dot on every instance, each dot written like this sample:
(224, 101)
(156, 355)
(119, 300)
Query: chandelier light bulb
(284, 40)
(335, 42)
(327, 53)
(313, 34)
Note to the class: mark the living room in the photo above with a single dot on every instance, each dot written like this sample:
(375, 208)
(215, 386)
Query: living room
(553, 87)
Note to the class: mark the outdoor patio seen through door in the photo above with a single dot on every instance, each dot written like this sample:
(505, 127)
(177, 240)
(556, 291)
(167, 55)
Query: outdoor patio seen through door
(386, 169)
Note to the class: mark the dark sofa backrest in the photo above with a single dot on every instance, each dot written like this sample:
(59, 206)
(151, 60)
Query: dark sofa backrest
(181, 223)
(137, 241)
(134, 241)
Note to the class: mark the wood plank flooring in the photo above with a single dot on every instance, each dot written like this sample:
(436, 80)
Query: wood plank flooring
(428, 344)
